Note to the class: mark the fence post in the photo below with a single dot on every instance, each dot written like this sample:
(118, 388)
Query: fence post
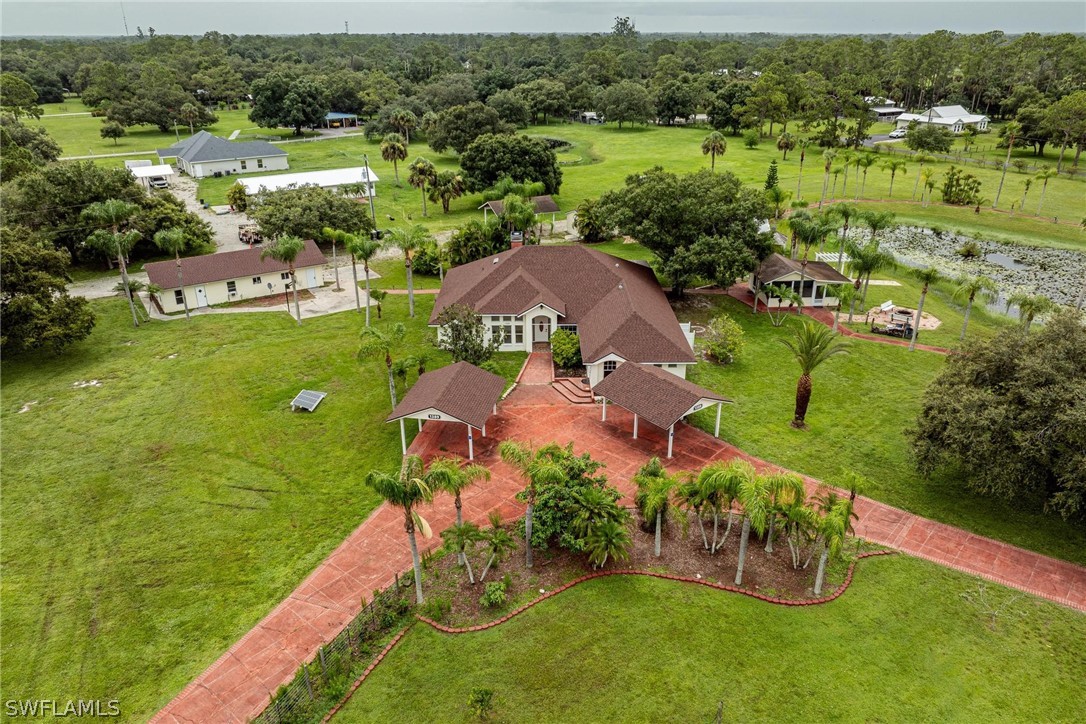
(324, 669)
(308, 683)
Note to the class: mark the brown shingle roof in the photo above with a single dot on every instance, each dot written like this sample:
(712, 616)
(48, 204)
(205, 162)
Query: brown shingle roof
(460, 390)
(542, 204)
(652, 393)
(778, 266)
(227, 265)
(617, 305)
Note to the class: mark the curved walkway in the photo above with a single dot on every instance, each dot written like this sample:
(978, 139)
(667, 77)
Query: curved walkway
(240, 684)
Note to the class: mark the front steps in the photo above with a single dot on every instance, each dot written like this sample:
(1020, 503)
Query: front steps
(573, 390)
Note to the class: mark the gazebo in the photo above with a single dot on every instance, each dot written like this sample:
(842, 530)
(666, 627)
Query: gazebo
(656, 395)
(460, 392)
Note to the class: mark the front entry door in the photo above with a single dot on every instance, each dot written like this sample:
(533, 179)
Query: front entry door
(541, 329)
(201, 297)
(311, 275)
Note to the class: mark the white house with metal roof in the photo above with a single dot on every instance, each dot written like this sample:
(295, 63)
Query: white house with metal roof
(954, 118)
(359, 177)
(203, 154)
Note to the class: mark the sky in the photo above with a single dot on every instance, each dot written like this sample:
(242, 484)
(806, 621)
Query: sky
(194, 17)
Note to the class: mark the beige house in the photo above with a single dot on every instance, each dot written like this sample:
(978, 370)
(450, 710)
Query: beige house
(232, 276)
(811, 283)
(203, 154)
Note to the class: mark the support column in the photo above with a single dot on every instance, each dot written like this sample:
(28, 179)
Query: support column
(635, 426)
(420, 424)
(670, 438)
(495, 408)
(718, 406)
(484, 430)
(403, 437)
(471, 446)
(604, 418)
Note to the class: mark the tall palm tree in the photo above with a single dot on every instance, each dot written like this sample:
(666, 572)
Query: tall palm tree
(285, 250)
(714, 145)
(335, 236)
(846, 213)
(498, 542)
(846, 158)
(609, 539)
(865, 161)
(864, 262)
(837, 171)
(537, 467)
(878, 221)
(1013, 129)
(1025, 191)
(458, 538)
(362, 246)
(380, 342)
(811, 345)
(921, 159)
(422, 174)
(926, 277)
(795, 222)
(719, 483)
(394, 149)
(1046, 173)
(403, 121)
(406, 489)
(1030, 306)
(844, 294)
(802, 157)
(928, 175)
(754, 497)
(688, 495)
(968, 289)
(113, 214)
(447, 185)
(172, 241)
(453, 477)
(409, 241)
(785, 490)
(827, 160)
(786, 142)
(894, 166)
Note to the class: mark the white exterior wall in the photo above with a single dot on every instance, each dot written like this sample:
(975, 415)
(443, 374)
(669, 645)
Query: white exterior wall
(808, 301)
(208, 168)
(595, 370)
(217, 292)
(525, 321)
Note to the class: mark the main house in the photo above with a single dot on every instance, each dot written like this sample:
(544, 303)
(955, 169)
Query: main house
(955, 118)
(232, 276)
(616, 307)
(203, 154)
(813, 283)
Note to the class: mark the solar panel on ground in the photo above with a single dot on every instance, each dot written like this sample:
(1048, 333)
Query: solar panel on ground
(307, 400)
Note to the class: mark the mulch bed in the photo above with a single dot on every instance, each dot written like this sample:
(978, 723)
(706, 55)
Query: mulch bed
(275, 300)
(767, 574)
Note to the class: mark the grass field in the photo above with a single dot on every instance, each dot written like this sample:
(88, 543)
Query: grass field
(150, 522)
(903, 644)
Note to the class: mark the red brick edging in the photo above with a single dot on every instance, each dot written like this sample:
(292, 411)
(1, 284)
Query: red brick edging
(369, 669)
(701, 581)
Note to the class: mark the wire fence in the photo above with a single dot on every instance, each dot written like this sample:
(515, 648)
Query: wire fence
(966, 158)
(319, 684)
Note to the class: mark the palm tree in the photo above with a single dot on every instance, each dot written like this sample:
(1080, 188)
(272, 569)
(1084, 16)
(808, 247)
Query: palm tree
(378, 296)
(778, 197)
(458, 539)
(538, 468)
(447, 185)
(920, 159)
(846, 212)
(498, 542)
(785, 490)
(928, 175)
(827, 158)
(864, 161)
(172, 241)
(403, 121)
(422, 174)
(754, 497)
(968, 289)
(688, 495)
(1026, 183)
(926, 277)
(361, 246)
(654, 489)
(837, 171)
(406, 489)
(285, 250)
(112, 214)
(189, 113)
(719, 483)
(832, 529)
(811, 345)
(844, 294)
(894, 166)
(714, 145)
(451, 476)
(847, 156)
(795, 222)
(802, 157)
(394, 149)
(609, 539)
(380, 342)
(335, 236)
(878, 221)
(786, 142)
(1030, 306)
(1043, 176)
(865, 261)
(409, 241)
(1012, 129)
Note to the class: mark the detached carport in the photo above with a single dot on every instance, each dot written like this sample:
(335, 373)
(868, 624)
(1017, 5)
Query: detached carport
(460, 392)
(657, 396)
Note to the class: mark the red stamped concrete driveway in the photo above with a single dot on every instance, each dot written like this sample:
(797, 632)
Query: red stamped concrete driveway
(239, 685)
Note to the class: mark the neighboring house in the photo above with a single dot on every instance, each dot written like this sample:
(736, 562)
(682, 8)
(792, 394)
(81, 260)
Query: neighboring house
(955, 118)
(232, 276)
(333, 179)
(616, 307)
(541, 204)
(886, 113)
(592, 118)
(203, 154)
(781, 271)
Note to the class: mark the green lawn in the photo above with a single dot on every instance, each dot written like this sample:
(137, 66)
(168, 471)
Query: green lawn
(902, 644)
(150, 522)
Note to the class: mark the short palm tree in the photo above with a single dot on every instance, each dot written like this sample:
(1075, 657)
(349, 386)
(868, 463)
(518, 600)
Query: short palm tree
(786, 142)
(777, 197)
(844, 294)
(172, 241)
(719, 483)
(926, 277)
(846, 157)
(878, 221)
(453, 477)
(827, 165)
(285, 250)
(422, 174)
(928, 176)
(335, 237)
(1046, 173)
(863, 162)
(406, 489)
(832, 529)
(811, 345)
(408, 240)
(498, 542)
(688, 495)
(714, 145)
(394, 150)
(754, 497)
(654, 489)
(378, 296)
(113, 214)
(537, 468)
(894, 166)
(1030, 306)
(362, 247)
(847, 213)
(1026, 183)
(802, 157)
(380, 342)
(787, 300)
(920, 159)
(447, 185)
(968, 289)
(1013, 129)
(785, 491)
(459, 538)
(608, 540)
(864, 262)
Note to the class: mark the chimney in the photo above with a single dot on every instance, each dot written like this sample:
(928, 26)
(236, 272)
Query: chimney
(516, 240)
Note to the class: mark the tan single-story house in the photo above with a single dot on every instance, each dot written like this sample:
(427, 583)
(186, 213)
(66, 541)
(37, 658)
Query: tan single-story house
(360, 178)
(232, 276)
(615, 306)
(203, 154)
(810, 283)
(955, 118)
(541, 204)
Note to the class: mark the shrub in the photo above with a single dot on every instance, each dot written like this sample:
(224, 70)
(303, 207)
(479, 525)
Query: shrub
(1020, 164)
(723, 339)
(750, 139)
(960, 188)
(436, 608)
(238, 197)
(493, 595)
(427, 259)
(463, 335)
(481, 702)
(566, 349)
(969, 250)
(589, 223)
